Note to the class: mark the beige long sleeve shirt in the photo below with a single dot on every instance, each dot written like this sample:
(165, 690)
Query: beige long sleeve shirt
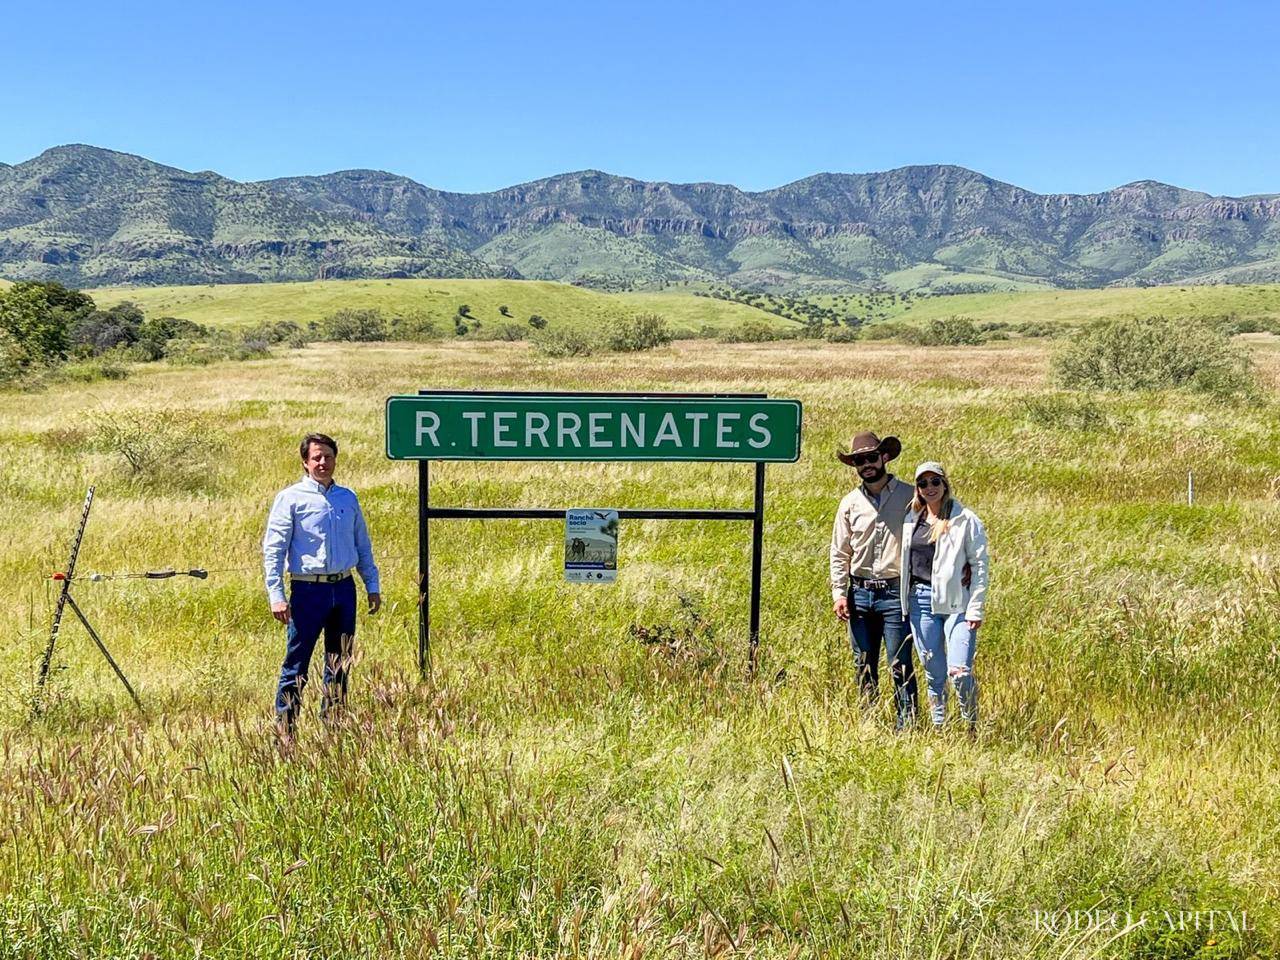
(866, 537)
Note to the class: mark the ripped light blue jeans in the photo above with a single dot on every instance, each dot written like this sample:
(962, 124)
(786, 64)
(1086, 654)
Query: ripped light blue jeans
(946, 647)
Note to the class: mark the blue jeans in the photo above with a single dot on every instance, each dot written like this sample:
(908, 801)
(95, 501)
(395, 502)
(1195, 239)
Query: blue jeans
(946, 646)
(317, 607)
(876, 615)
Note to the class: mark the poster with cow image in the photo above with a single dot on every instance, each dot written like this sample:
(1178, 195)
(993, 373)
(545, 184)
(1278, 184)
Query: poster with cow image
(591, 546)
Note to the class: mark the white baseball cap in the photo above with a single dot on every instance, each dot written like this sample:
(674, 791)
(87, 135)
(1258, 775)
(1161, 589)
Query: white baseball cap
(930, 466)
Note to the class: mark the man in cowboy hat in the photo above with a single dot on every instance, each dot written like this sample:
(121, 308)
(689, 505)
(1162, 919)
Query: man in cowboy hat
(866, 568)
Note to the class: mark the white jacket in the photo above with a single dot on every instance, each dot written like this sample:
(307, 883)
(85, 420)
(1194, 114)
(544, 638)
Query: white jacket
(965, 542)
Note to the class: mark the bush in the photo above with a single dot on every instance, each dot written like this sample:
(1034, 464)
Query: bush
(537, 322)
(1041, 328)
(272, 333)
(1155, 353)
(953, 331)
(354, 326)
(563, 343)
(644, 331)
(751, 331)
(888, 331)
(417, 327)
(511, 332)
(1066, 412)
(158, 447)
(95, 333)
(107, 367)
(14, 360)
(842, 335)
(220, 346)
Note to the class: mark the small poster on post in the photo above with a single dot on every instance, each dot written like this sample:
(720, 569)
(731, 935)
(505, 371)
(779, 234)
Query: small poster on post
(591, 546)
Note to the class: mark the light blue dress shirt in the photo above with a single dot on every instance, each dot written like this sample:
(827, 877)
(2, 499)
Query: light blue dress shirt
(314, 530)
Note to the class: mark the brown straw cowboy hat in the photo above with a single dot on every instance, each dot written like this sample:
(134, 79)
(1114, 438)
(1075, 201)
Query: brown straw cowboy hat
(869, 443)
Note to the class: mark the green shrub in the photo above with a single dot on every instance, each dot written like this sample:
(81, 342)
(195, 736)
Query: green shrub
(220, 346)
(1065, 412)
(1155, 353)
(537, 322)
(953, 331)
(417, 327)
(842, 335)
(644, 331)
(95, 333)
(751, 331)
(511, 332)
(1231, 324)
(1040, 328)
(166, 448)
(14, 360)
(563, 343)
(355, 326)
(275, 332)
(891, 330)
(91, 370)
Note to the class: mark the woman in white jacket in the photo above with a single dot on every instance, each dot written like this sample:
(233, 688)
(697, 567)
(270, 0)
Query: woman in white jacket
(939, 538)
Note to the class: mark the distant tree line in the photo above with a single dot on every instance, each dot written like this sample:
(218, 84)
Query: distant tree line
(50, 332)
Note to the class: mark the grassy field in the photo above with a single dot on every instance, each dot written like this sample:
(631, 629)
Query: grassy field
(1081, 306)
(560, 789)
(563, 305)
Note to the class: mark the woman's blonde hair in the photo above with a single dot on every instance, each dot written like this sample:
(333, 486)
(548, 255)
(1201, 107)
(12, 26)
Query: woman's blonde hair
(940, 526)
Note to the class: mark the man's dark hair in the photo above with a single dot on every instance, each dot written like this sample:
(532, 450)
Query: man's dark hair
(323, 438)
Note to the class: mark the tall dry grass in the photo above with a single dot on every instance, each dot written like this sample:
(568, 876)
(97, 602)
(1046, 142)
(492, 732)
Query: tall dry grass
(560, 788)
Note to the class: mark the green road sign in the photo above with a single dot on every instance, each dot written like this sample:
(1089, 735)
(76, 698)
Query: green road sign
(491, 426)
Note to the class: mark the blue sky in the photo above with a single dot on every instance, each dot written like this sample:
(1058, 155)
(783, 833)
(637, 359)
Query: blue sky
(474, 96)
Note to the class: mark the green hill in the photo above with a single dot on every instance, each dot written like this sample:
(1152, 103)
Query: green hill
(1261, 301)
(242, 305)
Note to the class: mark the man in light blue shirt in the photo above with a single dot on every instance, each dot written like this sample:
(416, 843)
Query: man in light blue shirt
(317, 531)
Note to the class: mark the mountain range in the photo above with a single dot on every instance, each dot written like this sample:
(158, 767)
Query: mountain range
(88, 216)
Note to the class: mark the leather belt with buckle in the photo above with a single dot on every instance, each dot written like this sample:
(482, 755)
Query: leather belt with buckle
(321, 577)
(868, 584)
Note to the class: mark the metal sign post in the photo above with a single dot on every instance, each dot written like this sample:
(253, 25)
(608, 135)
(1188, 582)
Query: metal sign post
(65, 599)
(621, 427)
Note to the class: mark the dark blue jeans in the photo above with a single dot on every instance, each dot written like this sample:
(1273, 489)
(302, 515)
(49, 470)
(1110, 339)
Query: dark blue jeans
(328, 608)
(875, 616)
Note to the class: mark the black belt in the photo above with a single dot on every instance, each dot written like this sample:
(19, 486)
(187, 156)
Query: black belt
(866, 583)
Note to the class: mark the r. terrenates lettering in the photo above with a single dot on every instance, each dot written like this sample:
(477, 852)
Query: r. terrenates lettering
(601, 429)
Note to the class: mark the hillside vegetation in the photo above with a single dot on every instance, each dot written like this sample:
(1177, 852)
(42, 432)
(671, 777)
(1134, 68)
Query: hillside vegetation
(562, 305)
(243, 305)
(1259, 301)
(83, 215)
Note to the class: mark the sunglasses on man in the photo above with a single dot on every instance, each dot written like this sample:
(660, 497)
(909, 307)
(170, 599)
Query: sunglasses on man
(862, 459)
(926, 482)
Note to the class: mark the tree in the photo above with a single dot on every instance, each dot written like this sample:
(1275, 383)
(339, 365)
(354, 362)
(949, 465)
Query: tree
(39, 316)
(464, 310)
(537, 322)
(644, 331)
(102, 330)
(504, 310)
(354, 325)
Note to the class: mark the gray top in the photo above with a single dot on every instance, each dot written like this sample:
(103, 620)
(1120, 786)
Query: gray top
(922, 550)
